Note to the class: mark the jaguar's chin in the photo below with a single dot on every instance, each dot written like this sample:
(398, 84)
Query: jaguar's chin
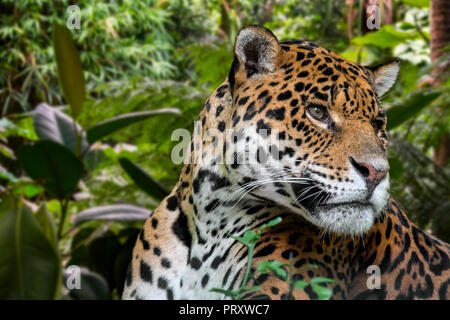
(349, 218)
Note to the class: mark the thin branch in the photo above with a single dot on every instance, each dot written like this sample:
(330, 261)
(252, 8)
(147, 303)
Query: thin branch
(419, 30)
(64, 205)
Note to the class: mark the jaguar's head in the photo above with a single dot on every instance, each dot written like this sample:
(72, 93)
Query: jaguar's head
(309, 130)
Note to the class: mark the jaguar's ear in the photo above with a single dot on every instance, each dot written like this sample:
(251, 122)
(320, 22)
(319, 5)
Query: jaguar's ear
(384, 76)
(256, 51)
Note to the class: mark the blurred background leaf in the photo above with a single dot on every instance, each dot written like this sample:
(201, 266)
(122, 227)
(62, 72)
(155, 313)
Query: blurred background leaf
(48, 162)
(30, 263)
(70, 75)
(149, 56)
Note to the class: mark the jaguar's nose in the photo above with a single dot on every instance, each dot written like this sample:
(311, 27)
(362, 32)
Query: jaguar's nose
(371, 175)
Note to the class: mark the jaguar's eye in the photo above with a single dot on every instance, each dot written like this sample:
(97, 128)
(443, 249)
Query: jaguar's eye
(318, 112)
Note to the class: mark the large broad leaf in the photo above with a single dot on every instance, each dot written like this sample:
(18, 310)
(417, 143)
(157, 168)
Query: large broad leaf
(70, 71)
(47, 224)
(396, 168)
(123, 258)
(417, 3)
(102, 253)
(143, 180)
(274, 266)
(386, 37)
(84, 284)
(30, 266)
(409, 108)
(107, 127)
(52, 164)
(52, 124)
(323, 293)
(118, 212)
(93, 158)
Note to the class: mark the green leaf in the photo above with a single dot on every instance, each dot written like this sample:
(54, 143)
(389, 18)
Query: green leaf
(30, 265)
(227, 293)
(323, 293)
(396, 168)
(248, 238)
(29, 190)
(79, 246)
(118, 212)
(45, 219)
(308, 266)
(107, 127)
(275, 266)
(103, 252)
(122, 260)
(417, 3)
(52, 124)
(300, 284)
(143, 180)
(93, 158)
(317, 280)
(7, 176)
(409, 107)
(70, 71)
(271, 223)
(255, 288)
(386, 37)
(48, 162)
(92, 285)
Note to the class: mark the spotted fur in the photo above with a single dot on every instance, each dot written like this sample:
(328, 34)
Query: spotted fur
(326, 177)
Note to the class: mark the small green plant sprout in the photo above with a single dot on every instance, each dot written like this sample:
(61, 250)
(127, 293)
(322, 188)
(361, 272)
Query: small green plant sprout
(323, 293)
(249, 239)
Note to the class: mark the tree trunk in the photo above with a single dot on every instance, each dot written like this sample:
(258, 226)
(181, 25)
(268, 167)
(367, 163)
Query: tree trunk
(225, 23)
(385, 10)
(440, 38)
(440, 27)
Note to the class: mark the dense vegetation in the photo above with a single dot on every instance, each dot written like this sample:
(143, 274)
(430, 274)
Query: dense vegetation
(156, 62)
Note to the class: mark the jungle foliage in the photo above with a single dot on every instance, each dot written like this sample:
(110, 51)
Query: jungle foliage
(86, 117)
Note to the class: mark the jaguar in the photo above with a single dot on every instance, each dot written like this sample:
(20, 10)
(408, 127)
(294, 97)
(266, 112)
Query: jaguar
(295, 132)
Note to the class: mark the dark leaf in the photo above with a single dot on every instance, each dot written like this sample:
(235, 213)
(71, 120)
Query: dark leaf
(45, 219)
(48, 162)
(143, 180)
(409, 107)
(52, 124)
(107, 127)
(118, 212)
(79, 249)
(70, 71)
(323, 293)
(30, 266)
(396, 168)
(103, 253)
(93, 158)
(123, 259)
(92, 286)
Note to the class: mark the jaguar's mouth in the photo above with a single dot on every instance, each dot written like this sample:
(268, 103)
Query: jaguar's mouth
(345, 218)
(347, 205)
(309, 195)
